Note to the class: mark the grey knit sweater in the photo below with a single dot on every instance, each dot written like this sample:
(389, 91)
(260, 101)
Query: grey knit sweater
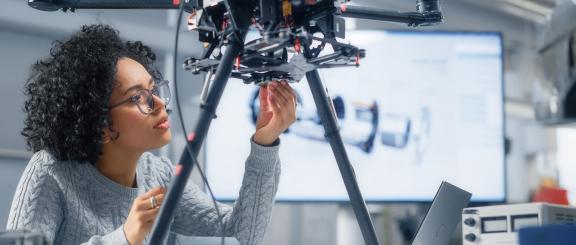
(72, 203)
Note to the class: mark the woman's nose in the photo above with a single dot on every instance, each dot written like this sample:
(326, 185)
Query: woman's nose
(159, 103)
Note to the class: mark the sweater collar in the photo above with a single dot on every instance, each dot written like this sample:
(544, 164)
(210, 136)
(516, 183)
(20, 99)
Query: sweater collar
(124, 191)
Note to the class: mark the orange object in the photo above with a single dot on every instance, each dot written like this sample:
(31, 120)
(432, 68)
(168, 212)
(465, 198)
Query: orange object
(286, 8)
(552, 195)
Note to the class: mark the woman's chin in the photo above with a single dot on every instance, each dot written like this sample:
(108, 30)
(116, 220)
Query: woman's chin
(166, 137)
(163, 140)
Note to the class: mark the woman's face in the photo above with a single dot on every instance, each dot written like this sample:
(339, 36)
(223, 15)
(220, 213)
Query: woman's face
(137, 131)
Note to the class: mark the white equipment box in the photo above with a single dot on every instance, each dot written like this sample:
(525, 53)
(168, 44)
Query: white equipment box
(500, 224)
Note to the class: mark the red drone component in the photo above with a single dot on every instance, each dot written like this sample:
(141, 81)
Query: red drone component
(224, 24)
(178, 169)
(297, 45)
(191, 136)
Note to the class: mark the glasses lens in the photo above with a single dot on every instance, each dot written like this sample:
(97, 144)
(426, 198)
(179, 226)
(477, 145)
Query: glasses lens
(162, 90)
(145, 102)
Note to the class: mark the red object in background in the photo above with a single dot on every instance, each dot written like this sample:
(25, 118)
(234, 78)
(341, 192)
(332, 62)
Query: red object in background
(552, 195)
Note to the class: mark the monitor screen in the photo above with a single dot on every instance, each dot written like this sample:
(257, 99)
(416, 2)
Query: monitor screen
(421, 108)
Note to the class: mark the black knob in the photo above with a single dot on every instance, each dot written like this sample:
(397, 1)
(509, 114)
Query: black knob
(470, 221)
(470, 237)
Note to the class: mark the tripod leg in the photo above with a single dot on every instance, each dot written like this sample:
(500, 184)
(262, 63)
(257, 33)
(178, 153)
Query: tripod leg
(323, 105)
(184, 167)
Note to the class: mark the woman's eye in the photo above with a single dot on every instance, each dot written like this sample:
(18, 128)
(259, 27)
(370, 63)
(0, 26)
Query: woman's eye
(135, 98)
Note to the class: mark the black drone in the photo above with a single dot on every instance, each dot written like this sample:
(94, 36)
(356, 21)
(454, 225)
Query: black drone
(284, 27)
(291, 45)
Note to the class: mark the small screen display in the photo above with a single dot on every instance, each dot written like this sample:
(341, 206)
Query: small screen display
(521, 221)
(494, 224)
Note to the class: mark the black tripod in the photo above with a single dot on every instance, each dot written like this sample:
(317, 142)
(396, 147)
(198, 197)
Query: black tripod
(428, 13)
(326, 112)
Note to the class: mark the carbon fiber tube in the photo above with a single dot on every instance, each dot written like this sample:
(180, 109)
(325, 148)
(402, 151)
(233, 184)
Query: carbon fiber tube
(53, 5)
(423, 18)
(327, 115)
(184, 167)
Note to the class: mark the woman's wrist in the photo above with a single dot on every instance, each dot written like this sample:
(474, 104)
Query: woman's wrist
(263, 139)
(131, 240)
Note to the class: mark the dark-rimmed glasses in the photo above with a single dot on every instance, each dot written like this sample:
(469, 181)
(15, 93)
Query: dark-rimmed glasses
(144, 99)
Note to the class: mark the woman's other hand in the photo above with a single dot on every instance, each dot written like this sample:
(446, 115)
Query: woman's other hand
(277, 111)
(142, 215)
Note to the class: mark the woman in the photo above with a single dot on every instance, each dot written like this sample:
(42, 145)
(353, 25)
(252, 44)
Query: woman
(94, 109)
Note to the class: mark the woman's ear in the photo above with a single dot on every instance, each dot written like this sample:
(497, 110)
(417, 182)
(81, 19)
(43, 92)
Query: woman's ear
(106, 136)
(109, 135)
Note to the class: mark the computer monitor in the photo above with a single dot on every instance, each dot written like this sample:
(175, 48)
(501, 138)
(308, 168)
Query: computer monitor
(422, 107)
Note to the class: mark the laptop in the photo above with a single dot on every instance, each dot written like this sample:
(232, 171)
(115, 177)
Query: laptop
(443, 216)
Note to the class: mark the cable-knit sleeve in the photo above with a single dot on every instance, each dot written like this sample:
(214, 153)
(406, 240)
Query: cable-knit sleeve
(37, 204)
(247, 220)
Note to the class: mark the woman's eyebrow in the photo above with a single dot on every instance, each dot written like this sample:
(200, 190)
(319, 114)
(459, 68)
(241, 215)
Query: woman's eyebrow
(138, 86)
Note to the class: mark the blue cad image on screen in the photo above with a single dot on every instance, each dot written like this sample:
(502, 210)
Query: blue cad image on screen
(422, 107)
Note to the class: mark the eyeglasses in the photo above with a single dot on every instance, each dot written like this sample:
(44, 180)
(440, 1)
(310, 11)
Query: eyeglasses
(144, 99)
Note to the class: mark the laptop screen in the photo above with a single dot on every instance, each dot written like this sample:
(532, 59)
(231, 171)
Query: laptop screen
(443, 216)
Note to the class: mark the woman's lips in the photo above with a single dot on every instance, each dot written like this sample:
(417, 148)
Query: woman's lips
(163, 124)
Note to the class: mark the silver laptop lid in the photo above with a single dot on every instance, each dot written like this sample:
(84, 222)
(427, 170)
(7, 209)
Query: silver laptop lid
(443, 216)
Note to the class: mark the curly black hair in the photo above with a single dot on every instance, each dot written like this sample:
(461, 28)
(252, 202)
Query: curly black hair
(68, 92)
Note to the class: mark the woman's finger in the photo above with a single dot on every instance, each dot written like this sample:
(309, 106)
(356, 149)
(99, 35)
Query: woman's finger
(144, 204)
(274, 104)
(281, 95)
(263, 96)
(286, 90)
(159, 199)
(152, 192)
(144, 201)
(289, 95)
(149, 215)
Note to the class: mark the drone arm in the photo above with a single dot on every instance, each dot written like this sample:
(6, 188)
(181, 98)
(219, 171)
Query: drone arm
(53, 5)
(410, 18)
